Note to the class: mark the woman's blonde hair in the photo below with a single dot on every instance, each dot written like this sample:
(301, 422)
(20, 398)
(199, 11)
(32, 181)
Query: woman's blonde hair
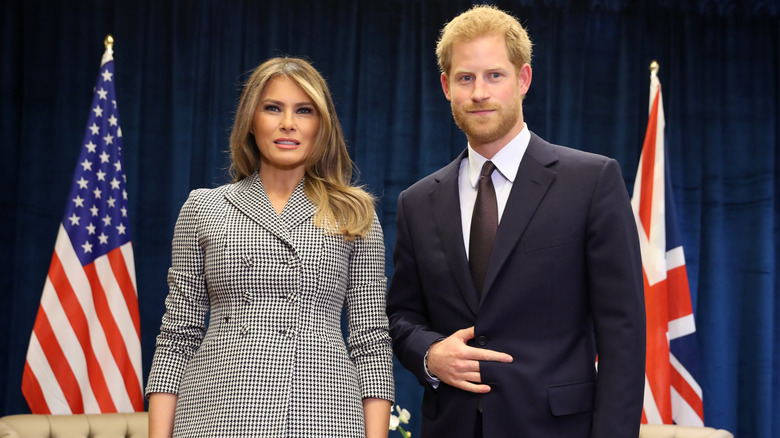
(342, 208)
(484, 20)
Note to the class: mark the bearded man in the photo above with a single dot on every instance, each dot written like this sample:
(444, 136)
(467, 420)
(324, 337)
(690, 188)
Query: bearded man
(516, 264)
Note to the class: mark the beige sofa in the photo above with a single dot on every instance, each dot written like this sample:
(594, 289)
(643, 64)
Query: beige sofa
(132, 425)
(135, 425)
(672, 431)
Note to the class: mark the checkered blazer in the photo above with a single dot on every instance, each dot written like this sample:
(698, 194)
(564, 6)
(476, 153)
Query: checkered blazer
(272, 361)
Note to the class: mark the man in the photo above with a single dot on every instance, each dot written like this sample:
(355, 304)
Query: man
(508, 282)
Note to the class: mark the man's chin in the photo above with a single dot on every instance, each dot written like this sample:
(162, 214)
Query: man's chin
(481, 136)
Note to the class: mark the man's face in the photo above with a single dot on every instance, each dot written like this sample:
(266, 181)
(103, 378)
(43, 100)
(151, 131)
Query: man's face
(485, 91)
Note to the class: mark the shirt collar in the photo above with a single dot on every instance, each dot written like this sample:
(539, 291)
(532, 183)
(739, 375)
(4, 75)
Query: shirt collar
(507, 160)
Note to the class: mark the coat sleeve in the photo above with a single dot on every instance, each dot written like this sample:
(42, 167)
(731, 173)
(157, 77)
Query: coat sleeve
(183, 324)
(617, 301)
(406, 305)
(368, 339)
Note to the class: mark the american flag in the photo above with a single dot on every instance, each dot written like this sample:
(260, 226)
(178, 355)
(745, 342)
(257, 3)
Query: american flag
(85, 350)
(672, 394)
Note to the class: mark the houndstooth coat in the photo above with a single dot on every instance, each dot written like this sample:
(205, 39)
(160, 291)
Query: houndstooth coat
(273, 362)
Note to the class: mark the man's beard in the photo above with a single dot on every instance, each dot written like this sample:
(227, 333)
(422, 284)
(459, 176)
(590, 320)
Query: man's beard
(483, 133)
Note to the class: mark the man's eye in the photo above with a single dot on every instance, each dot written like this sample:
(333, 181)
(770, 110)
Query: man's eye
(466, 78)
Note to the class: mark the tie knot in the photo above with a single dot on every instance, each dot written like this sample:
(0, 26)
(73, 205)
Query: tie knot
(487, 169)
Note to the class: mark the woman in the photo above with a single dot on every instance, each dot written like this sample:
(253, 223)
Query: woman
(273, 258)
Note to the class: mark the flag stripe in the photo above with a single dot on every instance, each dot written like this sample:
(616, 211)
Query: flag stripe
(684, 414)
(687, 393)
(127, 256)
(647, 165)
(32, 388)
(679, 298)
(686, 377)
(122, 276)
(650, 412)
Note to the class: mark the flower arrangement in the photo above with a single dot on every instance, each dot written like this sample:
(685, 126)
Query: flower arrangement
(396, 420)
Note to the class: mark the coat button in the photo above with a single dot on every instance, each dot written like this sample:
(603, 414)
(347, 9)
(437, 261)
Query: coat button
(482, 341)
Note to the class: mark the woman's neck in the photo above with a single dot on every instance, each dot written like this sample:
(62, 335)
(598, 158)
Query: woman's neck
(280, 184)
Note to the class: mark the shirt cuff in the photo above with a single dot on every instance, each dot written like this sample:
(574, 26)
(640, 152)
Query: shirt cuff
(430, 378)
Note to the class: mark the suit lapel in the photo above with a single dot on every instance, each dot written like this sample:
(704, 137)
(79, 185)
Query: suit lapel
(531, 183)
(446, 215)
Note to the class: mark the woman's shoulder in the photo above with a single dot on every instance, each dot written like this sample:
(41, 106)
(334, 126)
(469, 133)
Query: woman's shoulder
(205, 194)
(213, 198)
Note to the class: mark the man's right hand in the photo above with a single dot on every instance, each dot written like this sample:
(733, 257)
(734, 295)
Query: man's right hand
(457, 364)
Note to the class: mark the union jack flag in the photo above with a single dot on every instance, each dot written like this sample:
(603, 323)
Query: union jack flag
(672, 394)
(84, 354)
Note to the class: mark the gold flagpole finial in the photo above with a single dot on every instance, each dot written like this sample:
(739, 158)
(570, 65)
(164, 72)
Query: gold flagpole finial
(109, 42)
(654, 68)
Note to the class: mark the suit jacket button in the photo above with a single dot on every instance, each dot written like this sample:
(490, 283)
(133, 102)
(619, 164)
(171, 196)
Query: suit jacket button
(482, 341)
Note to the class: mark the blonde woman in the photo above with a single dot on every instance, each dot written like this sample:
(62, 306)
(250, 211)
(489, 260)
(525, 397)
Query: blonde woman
(273, 258)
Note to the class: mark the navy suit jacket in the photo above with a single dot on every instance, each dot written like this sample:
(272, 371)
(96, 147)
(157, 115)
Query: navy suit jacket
(563, 284)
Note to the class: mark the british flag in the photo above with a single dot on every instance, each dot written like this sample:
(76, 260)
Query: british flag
(672, 392)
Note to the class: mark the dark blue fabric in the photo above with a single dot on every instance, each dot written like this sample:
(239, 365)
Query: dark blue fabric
(179, 69)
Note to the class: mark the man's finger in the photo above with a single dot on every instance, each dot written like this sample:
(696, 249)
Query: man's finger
(472, 387)
(473, 353)
(465, 334)
(472, 376)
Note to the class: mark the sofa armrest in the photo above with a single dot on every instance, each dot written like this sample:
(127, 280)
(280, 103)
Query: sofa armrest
(674, 431)
(131, 425)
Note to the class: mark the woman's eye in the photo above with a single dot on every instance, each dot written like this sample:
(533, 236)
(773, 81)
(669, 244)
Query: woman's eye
(273, 108)
(305, 110)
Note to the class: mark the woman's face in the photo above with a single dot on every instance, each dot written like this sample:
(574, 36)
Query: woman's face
(285, 125)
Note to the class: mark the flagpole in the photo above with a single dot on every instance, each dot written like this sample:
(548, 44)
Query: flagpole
(109, 42)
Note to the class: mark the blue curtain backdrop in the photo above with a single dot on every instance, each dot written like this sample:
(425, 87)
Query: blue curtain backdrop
(180, 66)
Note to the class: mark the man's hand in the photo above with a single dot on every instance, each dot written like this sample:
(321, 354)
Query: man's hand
(456, 364)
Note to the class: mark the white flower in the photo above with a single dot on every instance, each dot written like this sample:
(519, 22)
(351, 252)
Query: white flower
(394, 422)
(403, 414)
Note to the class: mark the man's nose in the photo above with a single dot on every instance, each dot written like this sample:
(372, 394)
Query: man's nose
(480, 91)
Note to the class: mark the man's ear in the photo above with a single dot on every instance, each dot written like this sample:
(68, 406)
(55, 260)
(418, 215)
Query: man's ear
(524, 79)
(445, 86)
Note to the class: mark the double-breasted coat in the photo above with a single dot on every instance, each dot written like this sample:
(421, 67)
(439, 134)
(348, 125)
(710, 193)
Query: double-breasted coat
(271, 361)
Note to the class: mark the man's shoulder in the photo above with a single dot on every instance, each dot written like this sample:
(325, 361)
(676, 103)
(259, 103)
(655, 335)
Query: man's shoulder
(429, 182)
(548, 153)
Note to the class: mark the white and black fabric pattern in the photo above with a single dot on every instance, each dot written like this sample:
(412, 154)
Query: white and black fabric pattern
(272, 361)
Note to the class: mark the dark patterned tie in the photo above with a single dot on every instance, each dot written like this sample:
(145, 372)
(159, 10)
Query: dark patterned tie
(484, 223)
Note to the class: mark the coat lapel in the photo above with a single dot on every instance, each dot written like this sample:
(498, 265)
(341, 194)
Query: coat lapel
(298, 209)
(531, 183)
(250, 198)
(446, 214)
